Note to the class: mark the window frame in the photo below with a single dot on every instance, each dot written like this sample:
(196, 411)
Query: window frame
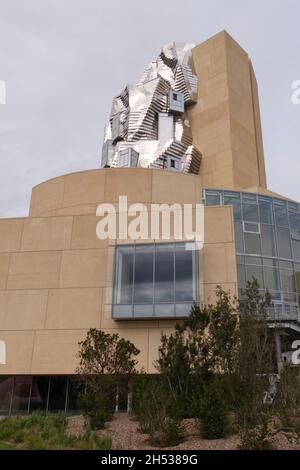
(130, 309)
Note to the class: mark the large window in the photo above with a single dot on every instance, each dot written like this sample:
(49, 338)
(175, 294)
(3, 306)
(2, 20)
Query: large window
(154, 280)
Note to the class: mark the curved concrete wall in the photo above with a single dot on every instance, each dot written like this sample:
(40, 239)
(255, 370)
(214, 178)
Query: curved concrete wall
(56, 275)
(80, 193)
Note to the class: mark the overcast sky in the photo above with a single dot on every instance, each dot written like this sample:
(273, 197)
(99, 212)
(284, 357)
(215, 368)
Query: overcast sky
(64, 60)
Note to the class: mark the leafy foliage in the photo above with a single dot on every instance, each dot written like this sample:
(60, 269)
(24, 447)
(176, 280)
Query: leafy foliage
(46, 432)
(106, 363)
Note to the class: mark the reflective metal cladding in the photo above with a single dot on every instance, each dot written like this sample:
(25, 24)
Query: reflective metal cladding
(150, 118)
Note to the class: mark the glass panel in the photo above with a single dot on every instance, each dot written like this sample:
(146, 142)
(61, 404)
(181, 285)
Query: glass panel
(281, 217)
(271, 276)
(268, 243)
(21, 394)
(249, 197)
(270, 262)
(39, 393)
(239, 242)
(164, 273)
(184, 282)
(122, 311)
(286, 265)
(164, 310)
(253, 260)
(240, 259)
(252, 243)
(287, 280)
(251, 227)
(233, 199)
(256, 272)
(57, 397)
(295, 225)
(75, 388)
(284, 243)
(124, 275)
(241, 276)
(183, 310)
(265, 212)
(143, 311)
(296, 249)
(212, 198)
(250, 212)
(6, 386)
(143, 274)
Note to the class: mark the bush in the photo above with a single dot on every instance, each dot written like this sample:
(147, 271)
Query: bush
(155, 410)
(212, 412)
(255, 438)
(97, 407)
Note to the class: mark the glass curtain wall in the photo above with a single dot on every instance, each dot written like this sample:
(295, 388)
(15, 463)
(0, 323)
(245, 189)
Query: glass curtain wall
(267, 236)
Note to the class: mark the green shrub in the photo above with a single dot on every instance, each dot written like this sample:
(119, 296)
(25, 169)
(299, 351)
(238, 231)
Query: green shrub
(97, 407)
(46, 432)
(212, 412)
(155, 410)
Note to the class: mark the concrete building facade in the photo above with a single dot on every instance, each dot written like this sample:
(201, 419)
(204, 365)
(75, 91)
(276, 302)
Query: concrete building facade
(58, 279)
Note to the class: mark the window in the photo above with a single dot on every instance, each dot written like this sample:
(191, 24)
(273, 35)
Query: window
(154, 280)
(284, 243)
(280, 210)
(268, 243)
(251, 227)
(212, 198)
(252, 244)
(175, 97)
(250, 212)
(265, 210)
(21, 394)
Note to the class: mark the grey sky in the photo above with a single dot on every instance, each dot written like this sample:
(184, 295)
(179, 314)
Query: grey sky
(64, 60)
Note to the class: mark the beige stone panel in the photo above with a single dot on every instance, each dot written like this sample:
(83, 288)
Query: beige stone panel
(231, 262)
(34, 270)
(258, 130)
(10, 234)
(77, 210)
(23, 310)
(83, 268)
(154, 343)
(140, 338)
(84, 233)
(211, 115)
(47, 196)
(218, 226)
(208, 101)
(135, 184)
(210, 291)
(219, 263)
(223, 178)
(55, 351)
(74, 309)
(47, 233)
(171, 187)
(217, 145)
(213, 130)
(208, 165)
(84, 188)
(224, 159)
(4, 265)
(19, 346)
